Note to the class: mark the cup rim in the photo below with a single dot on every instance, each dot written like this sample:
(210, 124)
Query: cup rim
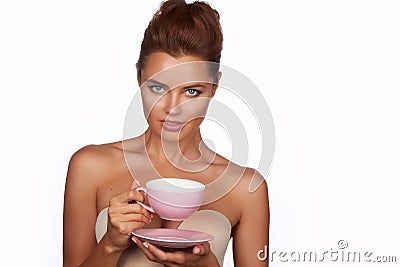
(178, 182)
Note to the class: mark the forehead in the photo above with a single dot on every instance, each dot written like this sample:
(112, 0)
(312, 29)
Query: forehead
(173, 72)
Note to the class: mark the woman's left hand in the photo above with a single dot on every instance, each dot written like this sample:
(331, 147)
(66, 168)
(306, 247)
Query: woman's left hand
(197, 256)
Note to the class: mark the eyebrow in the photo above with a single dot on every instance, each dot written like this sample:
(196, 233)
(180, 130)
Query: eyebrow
(194, 85)
(156, 82)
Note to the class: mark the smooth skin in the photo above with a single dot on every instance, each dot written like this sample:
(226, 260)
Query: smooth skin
(98, 177)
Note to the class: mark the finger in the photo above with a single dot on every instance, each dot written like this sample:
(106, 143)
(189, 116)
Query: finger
(201, 249)
(127, 228)
(198, 250)
(135, 217)
(145, 250)
(125, 197)
(134, 185)
(166, 257)
(116, 217)
(130, 209)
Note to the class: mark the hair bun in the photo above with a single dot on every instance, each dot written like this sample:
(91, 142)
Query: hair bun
(179, 29)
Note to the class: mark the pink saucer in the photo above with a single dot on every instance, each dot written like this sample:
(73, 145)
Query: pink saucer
(172, 238)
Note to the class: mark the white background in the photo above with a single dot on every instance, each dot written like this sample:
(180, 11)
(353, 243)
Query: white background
(329, 71)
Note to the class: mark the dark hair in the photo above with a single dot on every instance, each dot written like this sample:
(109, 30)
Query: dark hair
(182, 29)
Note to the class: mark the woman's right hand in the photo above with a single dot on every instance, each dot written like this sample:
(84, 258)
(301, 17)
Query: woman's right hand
(125, 215)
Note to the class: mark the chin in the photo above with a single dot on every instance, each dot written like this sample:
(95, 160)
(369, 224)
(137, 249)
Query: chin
(176, 136)
(170, 136)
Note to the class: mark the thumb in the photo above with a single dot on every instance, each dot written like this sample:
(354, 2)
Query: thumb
(134, 185)
(201, 249)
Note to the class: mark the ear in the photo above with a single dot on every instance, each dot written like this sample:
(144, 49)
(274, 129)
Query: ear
(215, 85)
(138, 74)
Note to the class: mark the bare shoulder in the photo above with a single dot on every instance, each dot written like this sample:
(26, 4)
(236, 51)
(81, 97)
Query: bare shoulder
(248, 196)
(94, 161)
(254, 180)
(251, 196)
(252, 186)
(248, 183)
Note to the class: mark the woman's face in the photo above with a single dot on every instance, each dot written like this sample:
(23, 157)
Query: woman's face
(175, 94)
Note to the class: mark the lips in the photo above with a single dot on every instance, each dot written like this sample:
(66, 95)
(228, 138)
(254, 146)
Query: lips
(172, 126)
(171, 122)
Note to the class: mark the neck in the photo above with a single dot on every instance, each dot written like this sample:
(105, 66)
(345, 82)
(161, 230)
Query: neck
(188, 155)
(165, 150)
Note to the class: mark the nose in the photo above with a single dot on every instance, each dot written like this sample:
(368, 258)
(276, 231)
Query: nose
(172, 103)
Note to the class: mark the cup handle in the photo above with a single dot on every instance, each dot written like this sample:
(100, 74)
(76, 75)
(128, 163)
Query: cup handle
(139, 188)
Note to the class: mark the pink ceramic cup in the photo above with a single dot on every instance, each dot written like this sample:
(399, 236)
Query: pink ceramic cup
(173, 199)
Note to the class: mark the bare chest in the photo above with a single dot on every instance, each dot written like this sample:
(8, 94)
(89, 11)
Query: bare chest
(120, 181)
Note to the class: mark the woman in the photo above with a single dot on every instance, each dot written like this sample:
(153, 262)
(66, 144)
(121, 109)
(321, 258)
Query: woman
(100, 195)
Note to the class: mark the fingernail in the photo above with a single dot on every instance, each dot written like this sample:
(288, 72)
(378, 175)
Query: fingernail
(134, 239)
(196, 250)
(146, 245)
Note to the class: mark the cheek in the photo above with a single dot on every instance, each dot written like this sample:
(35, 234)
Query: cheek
(150, 103)
(195, 109)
